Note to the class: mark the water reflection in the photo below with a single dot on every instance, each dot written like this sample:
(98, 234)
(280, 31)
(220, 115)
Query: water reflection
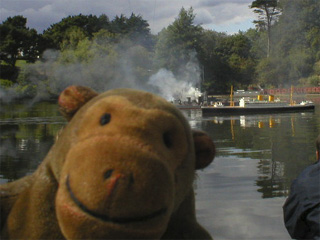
(229, 205)
(282, 143)
(240, 196)
(26, 136)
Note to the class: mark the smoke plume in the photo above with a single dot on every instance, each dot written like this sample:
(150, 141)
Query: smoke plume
(179, 87)
(50, 76)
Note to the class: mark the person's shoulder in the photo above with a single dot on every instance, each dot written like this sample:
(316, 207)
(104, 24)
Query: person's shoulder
(312, 170)
(309, 178)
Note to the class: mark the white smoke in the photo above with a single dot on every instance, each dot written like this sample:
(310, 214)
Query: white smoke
(7, 95)
(170, 87)
(101, 74)
(185, 85)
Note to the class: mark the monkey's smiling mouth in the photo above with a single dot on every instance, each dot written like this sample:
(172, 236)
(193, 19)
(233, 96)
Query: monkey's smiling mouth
(106, 218)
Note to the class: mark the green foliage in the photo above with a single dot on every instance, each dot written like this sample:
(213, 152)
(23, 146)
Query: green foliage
(295, 48)
(227, 60)
(134, 28)
(284, 49)
(4, 83)
(141, 64)
(26, 87)
(312, 81)
(72, 37)
(83, 51)
(56, 34)
(300, 64)
(101, 61)
(177, 41)
(138, 31)
(21, 63)
(258, 40)
(268, 12)
(316, 68)
(16, 40)
(268, 72)
(27, 91)
(106, 37)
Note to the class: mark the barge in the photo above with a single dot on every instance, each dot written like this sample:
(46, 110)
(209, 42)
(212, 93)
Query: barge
(188, 107)
(258, 107)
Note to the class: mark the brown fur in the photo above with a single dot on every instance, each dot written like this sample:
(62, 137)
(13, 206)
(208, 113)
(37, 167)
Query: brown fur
(123, 167)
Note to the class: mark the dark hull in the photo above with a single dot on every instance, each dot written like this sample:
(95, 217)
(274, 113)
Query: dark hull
(255, 110)
(188, 106)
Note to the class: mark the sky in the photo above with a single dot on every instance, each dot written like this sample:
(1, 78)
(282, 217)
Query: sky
(227, 16)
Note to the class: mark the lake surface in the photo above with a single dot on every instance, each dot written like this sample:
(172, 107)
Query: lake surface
(239, 196)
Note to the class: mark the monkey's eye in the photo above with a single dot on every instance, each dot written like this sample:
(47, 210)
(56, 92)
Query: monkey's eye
(105, 119)
(167, 139)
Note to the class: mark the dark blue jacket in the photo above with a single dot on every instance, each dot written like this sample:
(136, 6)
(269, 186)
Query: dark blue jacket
(302, 208)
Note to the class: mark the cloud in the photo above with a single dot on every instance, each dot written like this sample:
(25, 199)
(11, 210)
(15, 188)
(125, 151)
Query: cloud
(159, 13)
(222, 17)
(204, 16)
(225, 13)
(20, 6)
(210, 3)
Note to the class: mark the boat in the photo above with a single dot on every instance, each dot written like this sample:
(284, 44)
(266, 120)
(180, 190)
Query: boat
(258, 106)
(188, 99)
(188, 106)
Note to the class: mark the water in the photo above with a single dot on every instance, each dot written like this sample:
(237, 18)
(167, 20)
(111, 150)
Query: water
(26, 135)
(239, 196)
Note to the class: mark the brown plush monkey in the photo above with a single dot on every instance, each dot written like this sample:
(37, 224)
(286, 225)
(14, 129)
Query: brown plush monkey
(122, 168)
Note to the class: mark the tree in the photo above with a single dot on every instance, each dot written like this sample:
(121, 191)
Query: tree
(119, 24)
(56, 33)
(134, 28)
(73, 36)
(177, 41)
(16, 40)
(268, 12)
(139, 31)
(297, 47)
(103, 62)
(239, 59)
(227, 60)
(258, 41)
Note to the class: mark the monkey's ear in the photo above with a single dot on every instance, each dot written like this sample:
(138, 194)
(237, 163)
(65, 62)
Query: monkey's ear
(205, 149)
(73, 98)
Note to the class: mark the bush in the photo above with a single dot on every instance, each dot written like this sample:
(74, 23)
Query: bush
(5, 83)
(312, 81)
(26, 91)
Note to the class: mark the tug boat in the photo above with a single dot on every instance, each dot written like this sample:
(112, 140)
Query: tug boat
(258, 106)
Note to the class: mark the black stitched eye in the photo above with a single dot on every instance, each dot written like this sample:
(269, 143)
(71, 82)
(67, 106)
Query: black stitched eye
(167, 139)
(105, 118)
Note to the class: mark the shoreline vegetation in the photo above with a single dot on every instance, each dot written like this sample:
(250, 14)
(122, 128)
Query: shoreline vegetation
(102, 54)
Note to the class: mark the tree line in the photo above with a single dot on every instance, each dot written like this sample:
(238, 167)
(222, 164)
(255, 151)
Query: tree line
(283, 49)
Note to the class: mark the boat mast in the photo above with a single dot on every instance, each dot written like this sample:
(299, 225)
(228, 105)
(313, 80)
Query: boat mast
(231, 97)
(291, 95)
